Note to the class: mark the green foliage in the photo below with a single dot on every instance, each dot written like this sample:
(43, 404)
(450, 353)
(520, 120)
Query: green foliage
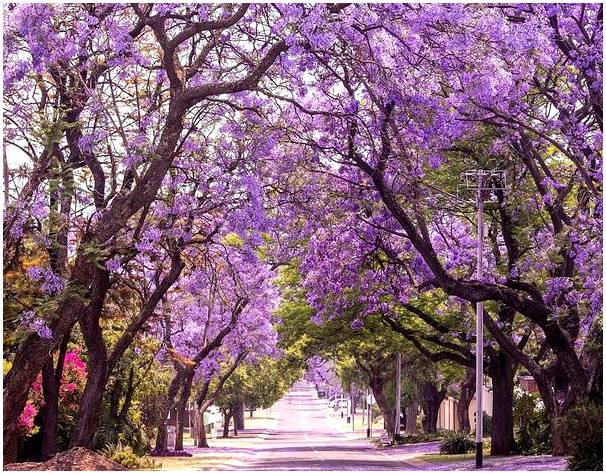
(583, 432)
(416, 438)
(259, 385)
(135, 394)
(130, 460)
(455, 442)
(486, 424)
(531, 423)
(111, 432)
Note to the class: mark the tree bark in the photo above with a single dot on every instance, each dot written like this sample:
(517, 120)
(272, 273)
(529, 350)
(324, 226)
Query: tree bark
(412, 411)
(50, 411)
(468, 389)
(90, 404)
(202, 441)
(181, 409)
(388, 411)
(226, 420)
(502, 372)
(239, 416)
(431, 399)
(173, 390)
(97, 367)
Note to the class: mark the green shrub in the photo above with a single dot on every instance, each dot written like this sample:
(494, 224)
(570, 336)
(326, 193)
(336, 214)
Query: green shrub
(582, 428)
(124, 455)
(455, 442)
(531, 424)
(486, 425)
(416, 438)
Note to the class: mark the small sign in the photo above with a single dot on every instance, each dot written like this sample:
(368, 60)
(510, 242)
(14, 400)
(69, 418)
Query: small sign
(370, 399)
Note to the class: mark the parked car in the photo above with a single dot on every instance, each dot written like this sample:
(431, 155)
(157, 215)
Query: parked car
(336, 399)
(341, 403)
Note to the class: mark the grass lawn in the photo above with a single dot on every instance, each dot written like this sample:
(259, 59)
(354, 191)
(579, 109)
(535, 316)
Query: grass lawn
(179, 464)
(448, 458)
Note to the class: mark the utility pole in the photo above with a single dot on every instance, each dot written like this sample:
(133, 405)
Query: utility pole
(485, 183)
(396, 431)
(480, 330)
(369, 415)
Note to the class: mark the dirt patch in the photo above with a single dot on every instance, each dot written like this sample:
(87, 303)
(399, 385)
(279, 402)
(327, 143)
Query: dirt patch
(76, 459)
(21, 466)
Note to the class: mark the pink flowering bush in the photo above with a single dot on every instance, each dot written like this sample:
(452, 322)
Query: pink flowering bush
(26, 420)
(73, 380)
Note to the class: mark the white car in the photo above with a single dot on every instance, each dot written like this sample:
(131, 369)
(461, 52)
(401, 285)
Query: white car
(212, 415)
(341, 403)
(336, 400)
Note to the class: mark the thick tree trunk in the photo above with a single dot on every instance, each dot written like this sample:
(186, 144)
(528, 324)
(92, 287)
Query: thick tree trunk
(90, 404)
(412, 411)
(239, 416)
(502, 440)
(202, 441)
(226, 420)
(553, 408)
(558, 443)
(431, 399)
(51, 383)
(98, 370)
(173, 390)
(468, 389)
(387, 411)
(50, 410)
(181, 409)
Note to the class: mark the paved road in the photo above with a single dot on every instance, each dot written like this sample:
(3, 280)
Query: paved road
(304, 438)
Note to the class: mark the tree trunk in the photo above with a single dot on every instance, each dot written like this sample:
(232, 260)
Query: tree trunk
(97, 367)
(502, 440)
(558, 443)
(202, 441)
(388, 411)
(51, 382)
(468, 389)
(173, 390)
(412, 411)
(90, 404)
(50, 410)
(553, 408)
(226, 420)
(181, 409)
(431, 399)
(239, 416)
(251, 412)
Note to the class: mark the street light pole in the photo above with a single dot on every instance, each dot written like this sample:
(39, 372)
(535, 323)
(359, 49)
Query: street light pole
(480, 328)
(485, 183)
(396, 431)
(368, 406)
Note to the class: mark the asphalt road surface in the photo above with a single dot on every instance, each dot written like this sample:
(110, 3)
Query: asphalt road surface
(305, 439)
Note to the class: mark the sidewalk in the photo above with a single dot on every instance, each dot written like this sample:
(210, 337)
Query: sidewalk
(223, 453)
(360, 431)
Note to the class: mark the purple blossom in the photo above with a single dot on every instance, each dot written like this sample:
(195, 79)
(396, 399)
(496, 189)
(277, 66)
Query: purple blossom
(357, 324)
(31, 321)
(52, 284)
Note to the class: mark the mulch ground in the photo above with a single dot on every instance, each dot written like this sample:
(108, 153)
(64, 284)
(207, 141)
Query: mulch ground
(511, 463)
(76, 459)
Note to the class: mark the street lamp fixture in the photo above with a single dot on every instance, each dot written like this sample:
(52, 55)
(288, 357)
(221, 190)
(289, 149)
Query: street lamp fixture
(485, 183)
